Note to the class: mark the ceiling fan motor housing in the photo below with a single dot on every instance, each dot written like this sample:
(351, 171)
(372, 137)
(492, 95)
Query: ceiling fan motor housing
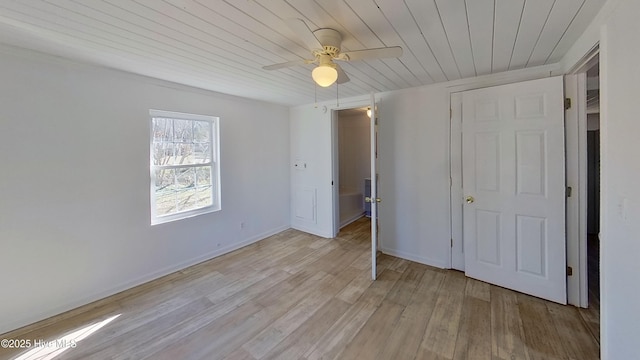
(330, 40)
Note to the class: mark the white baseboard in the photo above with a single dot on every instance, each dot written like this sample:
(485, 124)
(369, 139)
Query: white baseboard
(414, 258)
(351, 219)
(311, 231)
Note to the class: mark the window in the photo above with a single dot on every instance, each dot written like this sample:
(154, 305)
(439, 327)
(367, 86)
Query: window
(185, 170)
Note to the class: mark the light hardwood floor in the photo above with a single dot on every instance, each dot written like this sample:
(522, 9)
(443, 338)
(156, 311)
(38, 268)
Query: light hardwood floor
(298, 296)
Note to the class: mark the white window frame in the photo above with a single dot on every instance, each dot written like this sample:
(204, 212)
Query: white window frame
(214, 164)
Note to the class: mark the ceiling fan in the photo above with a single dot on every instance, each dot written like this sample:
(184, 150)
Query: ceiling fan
(325, 48)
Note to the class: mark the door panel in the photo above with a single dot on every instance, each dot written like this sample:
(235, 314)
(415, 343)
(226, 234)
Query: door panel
(487, 161)
(530, 159)
(513, 183)
(531, 239)
(488, 237)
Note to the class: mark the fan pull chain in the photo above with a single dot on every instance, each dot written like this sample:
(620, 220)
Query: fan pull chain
(337, 96)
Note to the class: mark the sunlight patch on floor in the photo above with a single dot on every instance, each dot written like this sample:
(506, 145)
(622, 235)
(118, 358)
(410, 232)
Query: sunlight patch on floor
(49, 349)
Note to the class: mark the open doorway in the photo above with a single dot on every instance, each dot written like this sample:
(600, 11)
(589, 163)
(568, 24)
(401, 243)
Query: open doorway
(350, 172)
(352, 149)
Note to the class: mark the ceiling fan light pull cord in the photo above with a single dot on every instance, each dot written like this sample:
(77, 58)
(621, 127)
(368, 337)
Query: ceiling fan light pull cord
(315, 94)
(337, 95)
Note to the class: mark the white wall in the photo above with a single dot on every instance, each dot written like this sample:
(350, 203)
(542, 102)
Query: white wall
(74, 184)
(620, 193)
(616, 29)
(311, 170)
(413, 158)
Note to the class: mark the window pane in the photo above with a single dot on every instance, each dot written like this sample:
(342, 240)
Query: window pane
(201, 131)
(203, 176)
(162, 129)
(165, 203)
(184, 154)
(165, 179)
(163, 153)
(201, 153)
(204, 197)
(183, 131)
(185, 178)
(186, 199)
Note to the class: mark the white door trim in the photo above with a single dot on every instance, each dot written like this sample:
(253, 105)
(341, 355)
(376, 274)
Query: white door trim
(374, 188)
(455, 141)
(370, 102)
(576, 160)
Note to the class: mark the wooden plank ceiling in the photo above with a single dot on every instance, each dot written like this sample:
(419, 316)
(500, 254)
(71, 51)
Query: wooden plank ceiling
(221, 45)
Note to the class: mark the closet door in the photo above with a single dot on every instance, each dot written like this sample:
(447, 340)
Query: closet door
(513, 168)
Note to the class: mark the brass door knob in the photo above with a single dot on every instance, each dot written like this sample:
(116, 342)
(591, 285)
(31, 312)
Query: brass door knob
(368, 199)
(470, 199)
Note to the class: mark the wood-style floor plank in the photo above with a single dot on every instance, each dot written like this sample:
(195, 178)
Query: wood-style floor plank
(370, 340)
(304, 337)
(474, 334)
(442, 329)
(541, 336)
(407, 333)
(507, 331)
(299, 296)
(579, 345)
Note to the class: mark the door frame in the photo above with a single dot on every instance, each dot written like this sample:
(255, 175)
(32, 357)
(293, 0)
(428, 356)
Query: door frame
(456, 193)
(335, 160)
(577, 178)
(335, 172)
(577, 285)
(507, 272)
(576, 164)
(455, 141)
(374, 199)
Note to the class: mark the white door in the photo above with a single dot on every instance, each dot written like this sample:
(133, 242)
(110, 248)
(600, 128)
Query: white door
(374, 190)
(513, 168)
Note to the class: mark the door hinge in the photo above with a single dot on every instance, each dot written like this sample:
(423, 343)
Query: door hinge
(567, 103)
(569, 271)
(569, 191)
(450, 113)
(451, 242)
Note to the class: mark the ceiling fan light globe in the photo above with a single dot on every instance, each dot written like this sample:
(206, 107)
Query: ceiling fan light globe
(324, 75)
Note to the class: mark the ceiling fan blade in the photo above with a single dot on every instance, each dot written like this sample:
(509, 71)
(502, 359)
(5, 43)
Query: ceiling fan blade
(379, 53)
(342, 76)
(287, 64)
(300, 28)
